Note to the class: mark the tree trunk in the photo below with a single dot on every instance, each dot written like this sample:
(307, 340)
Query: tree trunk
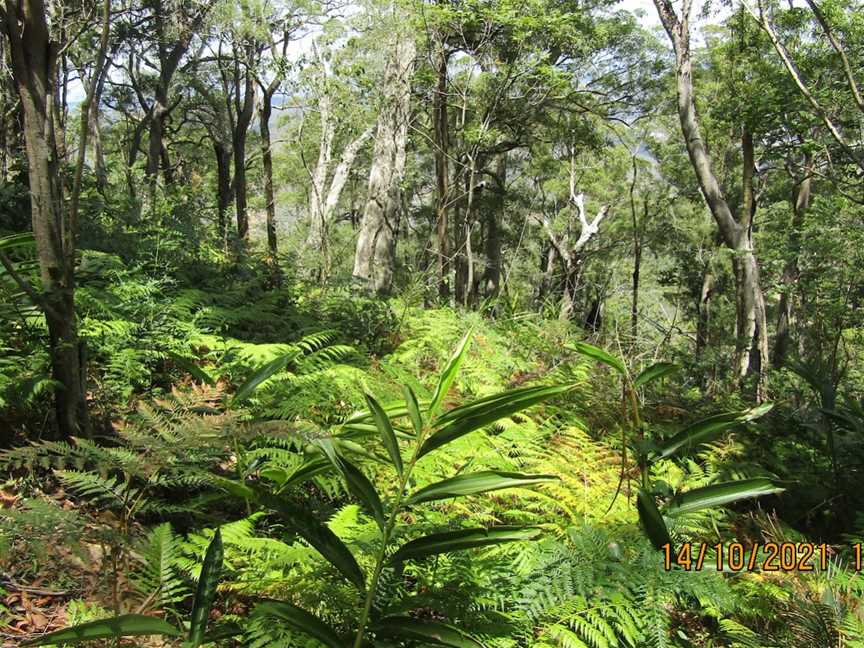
(223, 187)
(34, 68)
(441, 144)
(634, 301)
(492, 248)
(264, 114)
(751, 331)
(572, 266)
(158, 117)
(546, 282)
(240, 203)
(703, 319)
(790, 270)
(375, 256)
(244, 112)
(98, 151)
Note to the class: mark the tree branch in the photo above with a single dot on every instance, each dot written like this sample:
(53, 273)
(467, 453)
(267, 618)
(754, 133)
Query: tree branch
(25, 286)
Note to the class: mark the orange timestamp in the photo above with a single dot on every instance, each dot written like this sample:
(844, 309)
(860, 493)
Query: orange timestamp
(768, 556)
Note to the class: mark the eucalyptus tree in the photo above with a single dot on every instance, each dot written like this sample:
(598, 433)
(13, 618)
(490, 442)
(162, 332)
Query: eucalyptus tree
(734, 224)
(236, 61)
(344, 128)
(375, 256)
(210, 108)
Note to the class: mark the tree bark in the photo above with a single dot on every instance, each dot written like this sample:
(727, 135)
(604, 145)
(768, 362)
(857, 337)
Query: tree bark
(492, 247)
(244, 109)
(570, 253)
(375, 255)
(34, 59)
(170, 50)
(224, 195)
(703, 318)
(441, 144)
(790, 270)
(264, 113)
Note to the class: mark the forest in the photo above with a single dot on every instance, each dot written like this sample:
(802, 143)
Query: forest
(415, 323)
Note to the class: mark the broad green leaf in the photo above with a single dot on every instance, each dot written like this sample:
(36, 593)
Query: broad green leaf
(24, 239)
(717, 495)
(318, 535)
(304, 473)
(126, 625)
(493, 408)
(211, 571)
(388, 438)
(475, 483)
(654, 372)
(413, 408)
(394, 410)
(652, 521)
(358, 484)
(301, 620)
(707, 429)
(267, 371)
(232, 486)
(598, 354)
(446, 542)
(449, 375)
(427, 632)
(356, 430)
(285, 480)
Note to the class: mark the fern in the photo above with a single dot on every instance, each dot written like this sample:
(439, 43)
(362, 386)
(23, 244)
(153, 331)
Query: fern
(157, 578)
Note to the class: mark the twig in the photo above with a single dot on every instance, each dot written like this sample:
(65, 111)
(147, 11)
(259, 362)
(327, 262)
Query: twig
(32, 590)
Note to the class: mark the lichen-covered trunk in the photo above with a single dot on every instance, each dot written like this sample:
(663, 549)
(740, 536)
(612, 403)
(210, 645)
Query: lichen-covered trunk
(375, 255)
(156, 144)
(751, 351)
(492, 246)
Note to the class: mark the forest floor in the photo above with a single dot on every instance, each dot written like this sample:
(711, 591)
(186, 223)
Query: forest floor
(70, 558)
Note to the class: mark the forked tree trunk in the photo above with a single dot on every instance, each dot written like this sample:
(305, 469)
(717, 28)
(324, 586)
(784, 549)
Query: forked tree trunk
(751, 348)
(244, 110)
(375, 256)
(34, 61)
(326, 187)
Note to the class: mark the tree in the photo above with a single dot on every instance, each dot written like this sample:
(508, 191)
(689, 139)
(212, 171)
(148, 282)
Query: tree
(751, 321)
(375, 256)
(34, 71)
(327, 180)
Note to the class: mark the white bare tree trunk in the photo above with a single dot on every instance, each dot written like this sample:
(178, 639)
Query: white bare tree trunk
(327, 182)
